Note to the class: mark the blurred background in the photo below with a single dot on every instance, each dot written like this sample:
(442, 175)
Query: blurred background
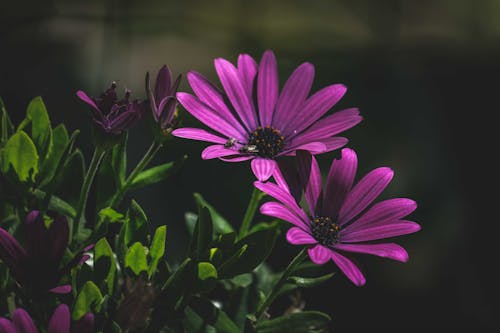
(423, 73)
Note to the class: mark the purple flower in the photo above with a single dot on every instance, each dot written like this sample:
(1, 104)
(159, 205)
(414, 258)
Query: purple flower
(255, 122)
(340, 218)
(162, 101)
(36, 266)
(112, 115)
(59, 322)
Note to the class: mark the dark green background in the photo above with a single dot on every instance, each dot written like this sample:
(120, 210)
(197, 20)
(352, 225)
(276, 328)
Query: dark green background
(423, 73)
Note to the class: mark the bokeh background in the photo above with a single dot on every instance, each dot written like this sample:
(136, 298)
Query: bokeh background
(424, 74)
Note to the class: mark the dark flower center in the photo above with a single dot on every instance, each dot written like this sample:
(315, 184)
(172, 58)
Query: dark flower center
(324, 230)
(266, 141)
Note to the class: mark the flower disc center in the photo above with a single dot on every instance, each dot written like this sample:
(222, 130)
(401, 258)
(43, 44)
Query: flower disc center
(324, 230)
(268, 141)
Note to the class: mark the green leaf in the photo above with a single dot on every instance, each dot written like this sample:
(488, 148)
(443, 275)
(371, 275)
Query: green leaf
(111, 215)
(119, 161)
(88, 300)
(190, 219)
(242, 280)
(299, 322)
(202, 236)
(41, 132)
(221, 225)
(156, 174)
(136, 259)
(56, 204)
(59, 144)
(213, 316)
(105, 264)
(20, 154)
(309, 282)
(71, 178)
(207, 276)
(136, 228)
(157, 249)
(6, 125)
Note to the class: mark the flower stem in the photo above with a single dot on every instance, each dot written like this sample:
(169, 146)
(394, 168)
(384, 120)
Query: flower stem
(87, 182)
(146, 159)
(257, 195)
(277, 287)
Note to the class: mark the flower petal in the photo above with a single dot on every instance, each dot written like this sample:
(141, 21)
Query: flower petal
(267, 87)
(293, 96)
(64, 289)
(280, 211)
(247, 69)
(319, 254)
(379, 231)
(237, 158)
(263, 168)
(23, 322)
(312, 147)
(57, 237)
(198, 134)
(208, 116)
(385, 250)
(286, 176)
(163, 83)
(349, 268)
(84, 325)
(297, 236)
(339, 181)
(236, 92)
(310, 176)
(84, 97)
(11, 252)
(6, 326)
(60, 321)
(363, 194)
(216, 151)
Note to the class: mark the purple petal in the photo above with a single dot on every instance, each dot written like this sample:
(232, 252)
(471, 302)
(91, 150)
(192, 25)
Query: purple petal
(297, 236)
(208, 116)
(84, 325)
(334, 143)
(84, 97)
(263, 168)
(210, 95)
(267, 87)
(386, 250)
(349, 268)
(280, 211)
(163, 84)
(339, 181)
(363, 194)
(166, 110)
(57, 237)
(6, 326)
(237, 158)
(216, 151)
(36, 240)
(236, 92)
(319, 254)
(379, 231)
(286, 176)
(11, 252)
(384, 212)
(198, 134)
(64, 289)
(23, 322)
(310, 176)
(315, 107)
(83, 259)
(247, 69)
(60, 321)
(312, 147)
(293, 95)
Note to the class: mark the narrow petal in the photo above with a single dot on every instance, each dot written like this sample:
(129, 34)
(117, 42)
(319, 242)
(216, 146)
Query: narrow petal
(310, 176)
(319, 254)
(237, 158)
(211, 96)
(280, 211)
(247, 69)
(6, 326)
(236, 92)
(58, 236)
(166, 110)
(163, 83)
(11, 252)
(216, 151)
(386, 250)
(312, 147)
(297, 236)
(198, 134)
(349, 268)
(84, 325)
(315, 107)
(363, 194)
(23, 322)
(384, 212)
(293, 95)
(267, 87)
(287, 177)
(64, 289)
(334, 143)
(84, 97)
(379, 231)
(208, 116)
(263, 168)
(339, 181)
(60, 321)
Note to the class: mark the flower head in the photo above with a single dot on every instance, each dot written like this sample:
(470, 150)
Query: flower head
(59, 322)
(162, 101)
(36, 266)
(112, 115)
(254, 121)
(341, 216)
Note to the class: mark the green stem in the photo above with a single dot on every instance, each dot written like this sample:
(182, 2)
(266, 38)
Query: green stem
(277, 287)
(87, 182)
(146, 159)
(257, 195)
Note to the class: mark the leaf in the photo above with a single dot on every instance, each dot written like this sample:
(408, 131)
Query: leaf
(202, 235)
(207, 276)
(299, 322)
(56, 204)
(6, 125)
(71, 179)
(60, 142)
(190, 219)
(157, 249)
(111, 215)
(156, 174)
(135, 259)
(221, 225)
(136, 228)
(88, 300)
(119, 161)
(20, 154)
(105, 264)
(213, 316)
(41, 131)
(309, 282)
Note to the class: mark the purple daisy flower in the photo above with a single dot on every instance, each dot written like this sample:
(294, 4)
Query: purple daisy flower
(59, 322)
(37, 265)
(255, 122)
(340, 219)
(112, 115)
